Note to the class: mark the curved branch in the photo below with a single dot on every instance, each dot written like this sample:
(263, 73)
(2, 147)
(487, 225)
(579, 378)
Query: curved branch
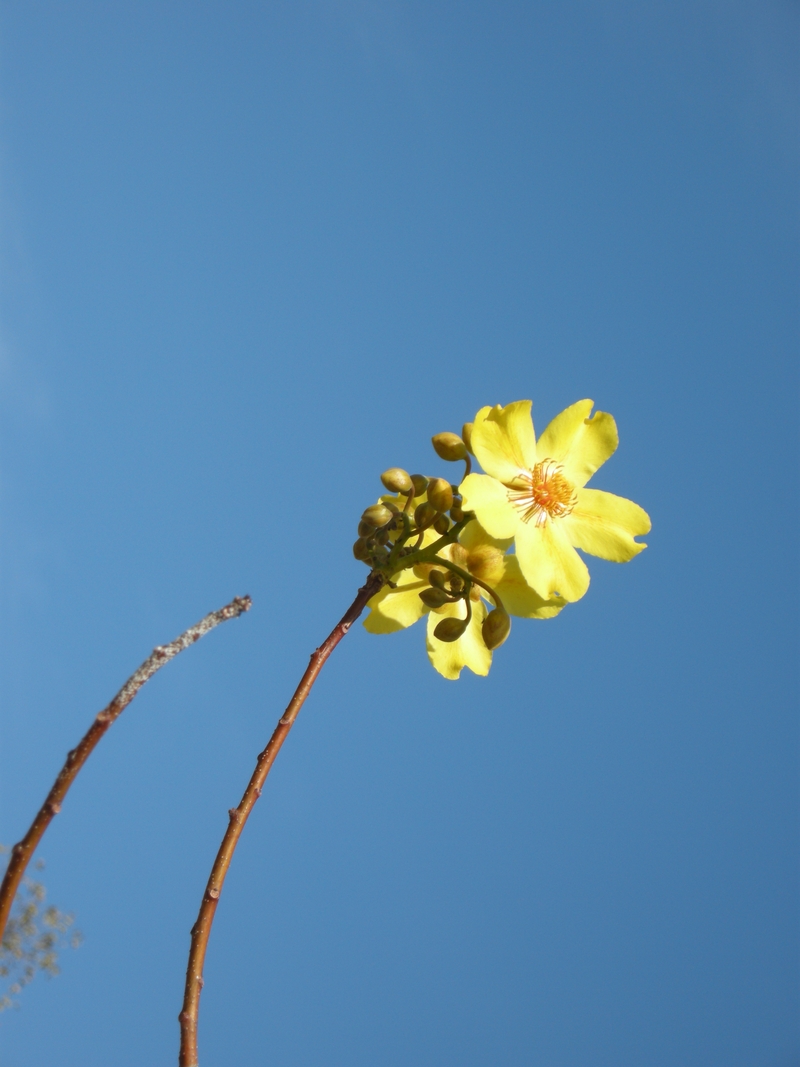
(21, 852)
(238, 817)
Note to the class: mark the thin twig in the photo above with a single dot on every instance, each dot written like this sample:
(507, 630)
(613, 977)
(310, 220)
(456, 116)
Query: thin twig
(238, 817)
(21, 852)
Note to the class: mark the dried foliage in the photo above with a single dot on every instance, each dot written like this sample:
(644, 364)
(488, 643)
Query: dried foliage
(33, 937)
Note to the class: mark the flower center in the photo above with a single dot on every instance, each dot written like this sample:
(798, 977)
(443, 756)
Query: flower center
(546, 493)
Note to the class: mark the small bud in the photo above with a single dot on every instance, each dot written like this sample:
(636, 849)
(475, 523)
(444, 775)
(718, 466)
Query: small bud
(456, 583)
(466, 435)
(437, 578)
(496, 628)
(456, 514)
(364, 529)
(487, 563)
(433, 598)
(396, 480)
(360, 549)
(390, 504)
(420, 483)
(382, 536)
(440, 494)
(450, 629)
(449, 446)
(424, 515)
(377, 515)
(442, 524)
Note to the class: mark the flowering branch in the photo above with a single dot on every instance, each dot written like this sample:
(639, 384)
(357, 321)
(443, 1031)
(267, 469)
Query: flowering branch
(238, 817)
(21, 852)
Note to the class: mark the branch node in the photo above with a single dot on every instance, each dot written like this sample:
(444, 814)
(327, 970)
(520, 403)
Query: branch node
(53, 808)
(214, 893)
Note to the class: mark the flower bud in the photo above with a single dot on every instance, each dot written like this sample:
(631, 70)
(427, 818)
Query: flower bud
(456, 514)
(449, 446)
(377, 515)
(420, 483)
(437, 578)
(450, 629)
(442, 524)
(382, 536)
(396, 480)
(496, 628)
(440, 494)
(360, 549)
(365, 529)
(424, 515)
(466, 436)
(486, 562)
(433, 598)
(422, 570)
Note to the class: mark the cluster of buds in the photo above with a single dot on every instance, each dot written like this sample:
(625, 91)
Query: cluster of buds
(418, 527)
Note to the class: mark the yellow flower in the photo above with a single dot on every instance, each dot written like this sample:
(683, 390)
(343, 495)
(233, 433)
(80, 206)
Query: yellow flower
(396, 608)
(533, 491)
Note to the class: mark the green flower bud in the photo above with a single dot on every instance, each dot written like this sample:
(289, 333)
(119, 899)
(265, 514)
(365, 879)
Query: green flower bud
(396, 480)
(496, 628)
(442, 524)
(365, 529)
(424, 515)
(466, 436)
(377, 515)
(449, 446)
(450, 629)
(360, 549)
(433, 598)
(420, 483)
(440, 494)
(382, 536)
(456, 514)
(437, 578)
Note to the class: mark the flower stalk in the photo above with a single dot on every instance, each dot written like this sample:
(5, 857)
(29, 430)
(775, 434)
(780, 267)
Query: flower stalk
(238, 816)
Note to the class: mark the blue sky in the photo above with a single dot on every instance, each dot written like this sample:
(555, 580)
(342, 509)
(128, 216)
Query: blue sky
(254, 254)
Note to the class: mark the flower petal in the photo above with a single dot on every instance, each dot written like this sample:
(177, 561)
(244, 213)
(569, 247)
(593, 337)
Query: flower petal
(395, 609)
(605, 525)
(473, 535)
(548, 561)
(488, 498)
(581, 444)
(503, 440)
(449, 657)
(518, 597)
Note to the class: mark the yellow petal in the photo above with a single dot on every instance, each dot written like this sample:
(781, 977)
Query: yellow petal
(395, 609)
(503, 440)
(473, 536)
(581, 444)
(548, 561)
(605, 525)
(488, 498)
(518, 597)
(449, 657)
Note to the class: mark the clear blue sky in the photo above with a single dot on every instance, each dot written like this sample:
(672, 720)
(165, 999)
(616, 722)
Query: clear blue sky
(252, 255)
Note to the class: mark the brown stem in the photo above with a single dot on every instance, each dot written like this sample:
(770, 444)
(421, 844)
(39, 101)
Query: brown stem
(238, 817)
(21, 852)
